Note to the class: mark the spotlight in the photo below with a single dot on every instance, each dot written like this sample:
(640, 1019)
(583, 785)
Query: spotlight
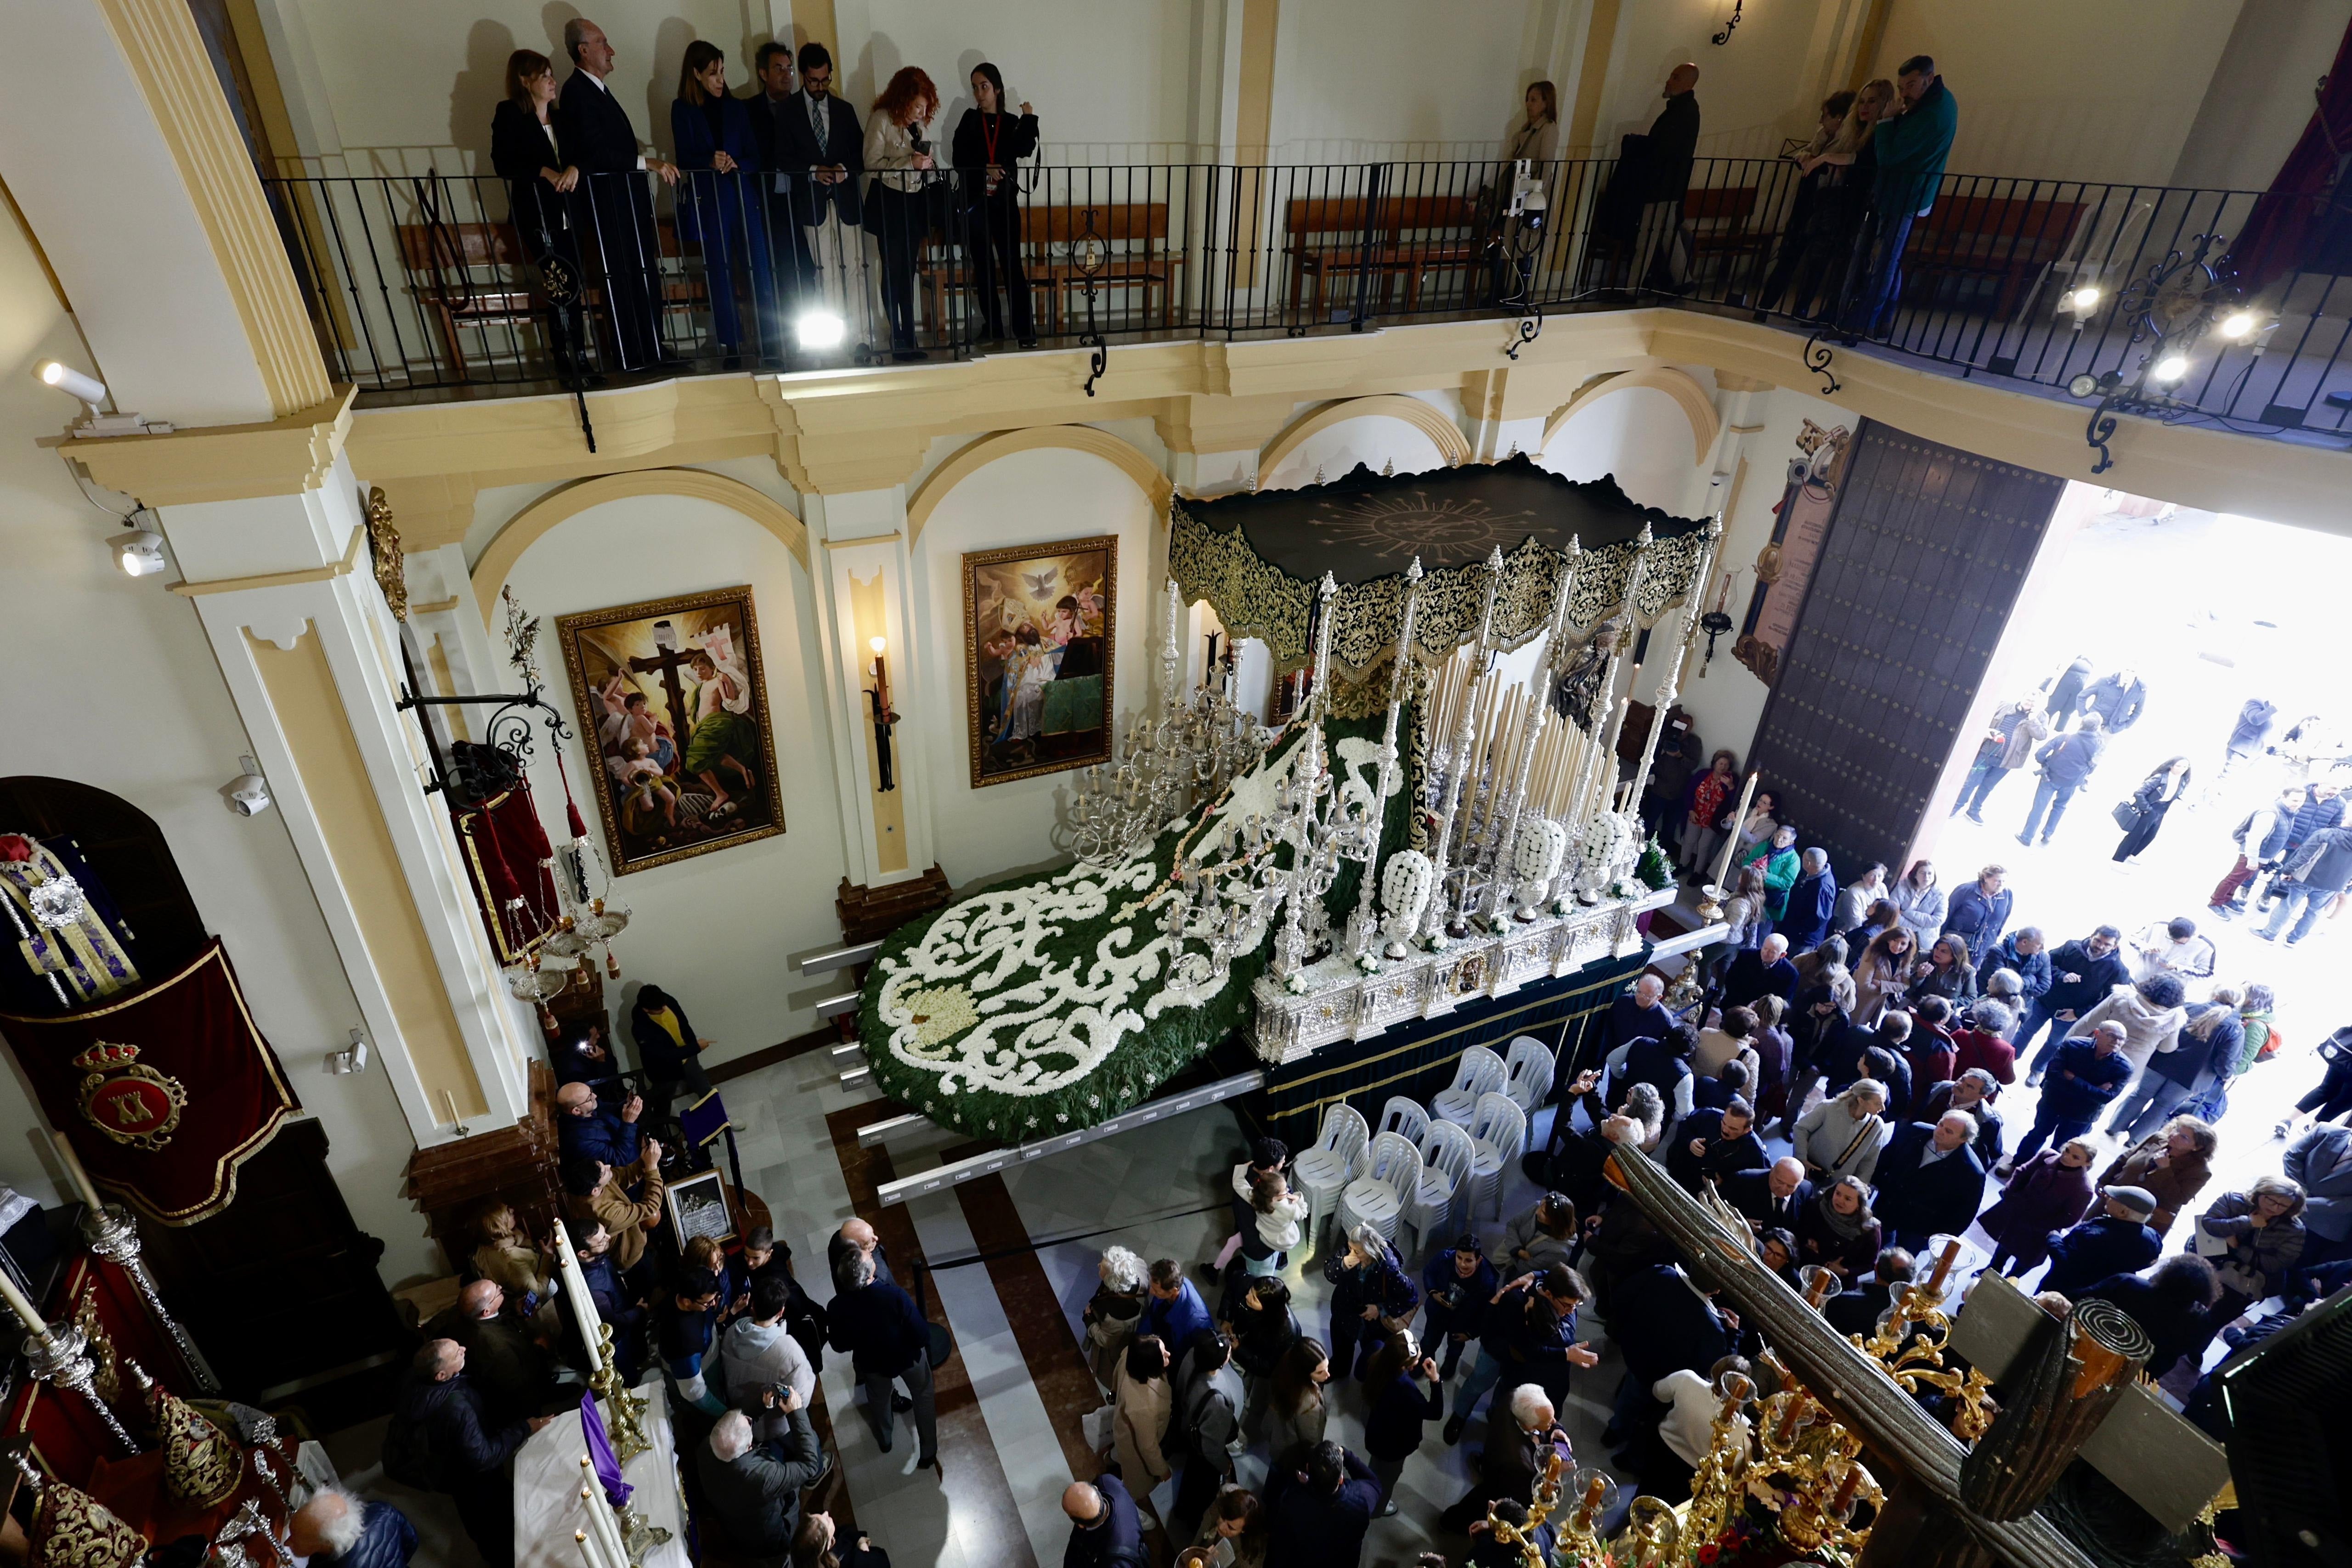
(249, 792)
(819, 330)
(2171, 368)
(2240, 325)
(92, 391)
(139, 553)
(2086, 300)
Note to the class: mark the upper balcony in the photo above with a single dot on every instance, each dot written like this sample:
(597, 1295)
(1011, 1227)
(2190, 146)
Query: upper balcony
(2181, 305)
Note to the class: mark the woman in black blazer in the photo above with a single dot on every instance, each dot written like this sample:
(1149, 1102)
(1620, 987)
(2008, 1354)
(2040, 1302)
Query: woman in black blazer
(987, 144)
(540, 178)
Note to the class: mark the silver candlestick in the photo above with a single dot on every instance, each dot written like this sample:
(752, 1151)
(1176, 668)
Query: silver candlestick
(62, 1357)
(114, 1235)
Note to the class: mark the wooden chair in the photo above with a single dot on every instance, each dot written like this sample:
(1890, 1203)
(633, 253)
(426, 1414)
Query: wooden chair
(479, 261)
(2010, 239)
(1718, 222)
(1137, 235)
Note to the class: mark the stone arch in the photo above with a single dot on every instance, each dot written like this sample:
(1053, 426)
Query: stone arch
(1680, 385)
(527, 527)
(980, 454)
(1425, 417)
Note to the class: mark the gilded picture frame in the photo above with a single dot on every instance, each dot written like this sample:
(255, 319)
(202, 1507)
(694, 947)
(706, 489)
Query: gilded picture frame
(672, 700)
(1040, 632)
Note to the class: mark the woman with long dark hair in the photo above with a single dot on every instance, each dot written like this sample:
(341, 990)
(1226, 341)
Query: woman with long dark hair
(989, 145)
(529, 156)
(2153, 799)
(718, 203)
(896, 213)
(1299, 1406)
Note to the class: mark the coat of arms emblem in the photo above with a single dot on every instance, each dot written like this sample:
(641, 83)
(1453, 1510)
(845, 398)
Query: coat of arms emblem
(127, 1100)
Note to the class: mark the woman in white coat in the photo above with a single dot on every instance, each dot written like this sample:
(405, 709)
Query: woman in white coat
(1841, 1136)
(1921, 900)
(2150, 1012)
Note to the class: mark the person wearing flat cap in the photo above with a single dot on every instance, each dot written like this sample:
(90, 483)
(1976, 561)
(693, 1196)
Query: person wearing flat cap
(2117, 1241)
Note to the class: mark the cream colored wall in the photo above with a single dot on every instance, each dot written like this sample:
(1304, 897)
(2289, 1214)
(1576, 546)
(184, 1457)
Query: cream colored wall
(1029, 497)
(1376, 440)
(2090, 89)
(1641, 436)
(111, 684)
(714, 929)
(2261, 99)
(1756, 88)
(1394, 78)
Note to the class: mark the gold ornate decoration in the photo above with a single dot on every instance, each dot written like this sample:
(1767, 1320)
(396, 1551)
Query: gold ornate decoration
(127, 1100)
(73, 1529)
(1910, 1345)
(624, 1411)
(202, 1464)
(391, 562)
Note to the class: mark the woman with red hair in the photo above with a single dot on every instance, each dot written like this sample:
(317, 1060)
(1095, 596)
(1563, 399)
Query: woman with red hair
(900, 156)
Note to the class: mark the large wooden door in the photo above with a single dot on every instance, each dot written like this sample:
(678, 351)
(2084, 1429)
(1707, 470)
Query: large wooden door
(1922, 563)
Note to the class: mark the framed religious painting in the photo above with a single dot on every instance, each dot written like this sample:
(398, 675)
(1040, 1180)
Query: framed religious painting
(697, 1207)
(673, 706)
(1039, 627)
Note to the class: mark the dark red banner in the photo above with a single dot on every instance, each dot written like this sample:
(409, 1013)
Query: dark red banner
(163, 1093)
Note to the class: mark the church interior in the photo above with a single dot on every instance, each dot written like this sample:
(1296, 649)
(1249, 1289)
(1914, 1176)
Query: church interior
(1405, 941)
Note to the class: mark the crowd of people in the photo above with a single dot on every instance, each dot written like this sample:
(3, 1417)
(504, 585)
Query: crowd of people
(793, 201)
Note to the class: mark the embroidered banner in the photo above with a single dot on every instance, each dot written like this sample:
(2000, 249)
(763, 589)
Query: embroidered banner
(163, 1093)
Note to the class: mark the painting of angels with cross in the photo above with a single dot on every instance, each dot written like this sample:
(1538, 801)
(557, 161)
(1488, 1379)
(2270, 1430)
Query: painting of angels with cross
(1039, 628)
(674, 707)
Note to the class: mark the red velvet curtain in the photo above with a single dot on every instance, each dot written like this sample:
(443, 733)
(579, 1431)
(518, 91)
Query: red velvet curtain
(2290, 224)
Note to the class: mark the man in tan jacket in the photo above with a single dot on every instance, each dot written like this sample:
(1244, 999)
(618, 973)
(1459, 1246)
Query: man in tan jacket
(596, 1193)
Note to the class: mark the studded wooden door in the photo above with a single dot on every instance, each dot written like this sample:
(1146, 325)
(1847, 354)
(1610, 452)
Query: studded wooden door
(1924, 560)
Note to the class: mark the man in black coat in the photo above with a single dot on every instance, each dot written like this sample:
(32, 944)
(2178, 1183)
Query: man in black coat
(1319, 1520)
(820, 143)
(1638, 1014)
(1858, 1310)
(1930, 1181)
(1769, 1199)
(1662, 254)
(772, 70)
(1104, 1530)
(1710, 1146)
(1662, 1323)
(2117, 1241)
(438, 1421)
(2081, 975)
(1761, 971)
(597, 132)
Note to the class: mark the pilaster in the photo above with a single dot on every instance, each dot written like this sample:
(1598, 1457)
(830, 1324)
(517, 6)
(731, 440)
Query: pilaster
(861, 575)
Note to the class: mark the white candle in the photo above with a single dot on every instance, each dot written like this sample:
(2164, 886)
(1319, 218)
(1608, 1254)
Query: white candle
(583, 1305)
(607, 1528)
(74, 1170)
(1731, 844)
(22, 1307)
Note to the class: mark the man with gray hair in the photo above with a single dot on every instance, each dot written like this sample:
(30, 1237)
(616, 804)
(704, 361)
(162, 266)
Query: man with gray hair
(336, 1529)
(1812, 901)
(1513, 1458)
(1930, 1181)
(599, 138)
(754, 1495)
(1971, 1095)
(441, 1439)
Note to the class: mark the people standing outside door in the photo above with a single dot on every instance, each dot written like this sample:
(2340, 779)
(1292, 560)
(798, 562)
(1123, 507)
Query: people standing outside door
(2010, 737)
(2262, 840)
(2065, 764)
(1912, 148)
(2118, 697)
(2309, 882)
(2065, 689)
(1661, 251)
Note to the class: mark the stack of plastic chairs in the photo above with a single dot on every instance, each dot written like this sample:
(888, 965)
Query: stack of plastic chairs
(1529, 1083)
(1499, 1132)
(1406, 1116)
(1438, 1211)
(1323, 1172)
(1480, 1071)
(1390, 1181)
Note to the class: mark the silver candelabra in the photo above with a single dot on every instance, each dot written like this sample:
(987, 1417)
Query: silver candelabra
(114, 1235)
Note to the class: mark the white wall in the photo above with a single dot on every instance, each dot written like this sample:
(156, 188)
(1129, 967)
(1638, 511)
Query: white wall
(1395, 78)
(1372, 440)
(1757, 86)
(1030, 497)
(713, 929)
(111, 684)
(2259, 99)
(1641, 436)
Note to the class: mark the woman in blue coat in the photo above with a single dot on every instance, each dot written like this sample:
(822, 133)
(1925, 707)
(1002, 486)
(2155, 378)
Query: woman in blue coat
(718, 203)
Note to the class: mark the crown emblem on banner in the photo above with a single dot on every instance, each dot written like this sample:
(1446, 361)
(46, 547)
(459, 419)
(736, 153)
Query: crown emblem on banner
(106, 1056)
(127, 1100)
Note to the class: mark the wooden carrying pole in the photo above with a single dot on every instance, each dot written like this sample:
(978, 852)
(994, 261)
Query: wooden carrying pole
(2063, 1386)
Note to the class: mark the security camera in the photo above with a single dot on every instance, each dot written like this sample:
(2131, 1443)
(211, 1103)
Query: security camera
(249, 792)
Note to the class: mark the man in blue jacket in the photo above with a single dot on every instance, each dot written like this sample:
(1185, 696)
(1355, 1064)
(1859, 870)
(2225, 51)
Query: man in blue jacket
(1912, 148)
(1456, 1284)
(1105, 1532)
(1813, 900)
(2088, 1074)
(2082, 975)
(583, 1131)
(1320, 1516)
(2065, 764)
(887, 1342)
(1978, 912)
(2118, 1241)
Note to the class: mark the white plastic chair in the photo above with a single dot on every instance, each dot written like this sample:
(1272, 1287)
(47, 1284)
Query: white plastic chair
(1499, 1132)
(1446, 1156)
(1324, 1171)
(1530, 1081)
(1390, 1181)
(1406, 1116)
(1480, 1071)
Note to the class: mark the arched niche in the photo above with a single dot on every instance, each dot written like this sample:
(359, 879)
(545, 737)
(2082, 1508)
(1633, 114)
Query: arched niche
(1648, 429)
(1332, 438)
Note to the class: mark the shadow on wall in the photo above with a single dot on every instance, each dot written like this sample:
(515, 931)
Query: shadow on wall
(474, 97)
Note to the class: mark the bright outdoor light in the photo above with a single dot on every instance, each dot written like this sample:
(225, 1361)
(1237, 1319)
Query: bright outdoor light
(2085, 299)
(2171, 368)
(820, 330)
(2239, 325)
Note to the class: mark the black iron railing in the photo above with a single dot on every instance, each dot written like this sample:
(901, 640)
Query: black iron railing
(441, 284)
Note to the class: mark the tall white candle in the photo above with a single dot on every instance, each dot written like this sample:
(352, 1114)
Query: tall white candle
(81, 1181)
(583, 1305)
(22, 1307)
(1731, 844)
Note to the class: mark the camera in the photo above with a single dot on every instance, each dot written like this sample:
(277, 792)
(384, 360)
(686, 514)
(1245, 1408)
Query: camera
(249, 792)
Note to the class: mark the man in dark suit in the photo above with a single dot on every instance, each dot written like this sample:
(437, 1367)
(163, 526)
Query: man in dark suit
(1857, 1311)
(1929, 1180)
(820, 143)
(597, 131)
(772, 66)
(1320, 1518)
(1709, 1146)
(1771, 1199)
(1663, 253)
(1105, 1532)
